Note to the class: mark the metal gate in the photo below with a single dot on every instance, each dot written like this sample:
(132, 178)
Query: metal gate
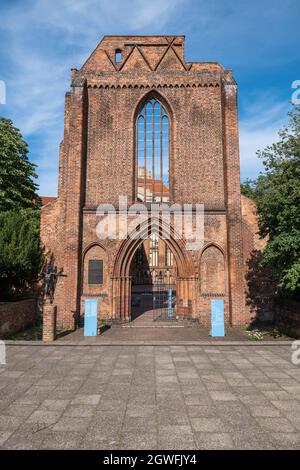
(164, 301)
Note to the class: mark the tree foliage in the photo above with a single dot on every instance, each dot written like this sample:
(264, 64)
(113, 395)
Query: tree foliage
(20, 252)
(248, 188)
(277, 194)
(17, 173)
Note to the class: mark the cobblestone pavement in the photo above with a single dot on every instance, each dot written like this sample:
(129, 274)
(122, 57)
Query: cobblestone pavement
(152, 397)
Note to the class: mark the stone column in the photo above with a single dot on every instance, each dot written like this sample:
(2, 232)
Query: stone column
(193, 296)
(179, 296)
(125, 298)
(127, 313)
(74, 193)
(236, 270)
(49, 322)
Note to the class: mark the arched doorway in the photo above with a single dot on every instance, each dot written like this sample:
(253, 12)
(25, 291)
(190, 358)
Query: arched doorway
(153, 274)
(185, 280)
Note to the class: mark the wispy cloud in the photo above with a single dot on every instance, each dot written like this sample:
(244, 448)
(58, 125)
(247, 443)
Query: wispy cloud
(259, 128)
(44, 41)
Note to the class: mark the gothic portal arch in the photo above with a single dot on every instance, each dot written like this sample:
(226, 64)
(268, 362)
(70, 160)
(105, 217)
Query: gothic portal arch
(121, 275)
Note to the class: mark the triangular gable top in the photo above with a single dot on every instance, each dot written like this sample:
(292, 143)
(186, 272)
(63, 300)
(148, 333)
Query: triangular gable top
(99, 59)
(135, 62)
(142, 53)
(153, 54)
(170, 61)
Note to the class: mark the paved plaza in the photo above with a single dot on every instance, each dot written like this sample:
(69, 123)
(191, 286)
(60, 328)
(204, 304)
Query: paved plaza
(149, 397)
(153, 333)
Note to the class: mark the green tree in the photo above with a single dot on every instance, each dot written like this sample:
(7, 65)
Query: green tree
(248, 188)
(277, 193)
(20, 248)
(17, 173)
(20, 252)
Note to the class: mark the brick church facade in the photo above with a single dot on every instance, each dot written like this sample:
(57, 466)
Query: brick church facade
(142, 122)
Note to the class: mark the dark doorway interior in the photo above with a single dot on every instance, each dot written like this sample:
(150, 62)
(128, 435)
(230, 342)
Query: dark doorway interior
(153, 272)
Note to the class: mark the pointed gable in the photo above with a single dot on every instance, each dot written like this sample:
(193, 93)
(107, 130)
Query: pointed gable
(138, 53)
(153, 54)
(135, 62)
(170, 61)
(99, 60)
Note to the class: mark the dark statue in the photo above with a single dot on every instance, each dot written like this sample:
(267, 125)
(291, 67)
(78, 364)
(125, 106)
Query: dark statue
(50, 280)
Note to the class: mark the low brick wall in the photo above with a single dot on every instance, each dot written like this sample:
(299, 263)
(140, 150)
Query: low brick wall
(288, 319)
(16, 316)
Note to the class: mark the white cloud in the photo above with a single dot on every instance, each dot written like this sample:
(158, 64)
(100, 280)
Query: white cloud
(45, 39)
(258, 129)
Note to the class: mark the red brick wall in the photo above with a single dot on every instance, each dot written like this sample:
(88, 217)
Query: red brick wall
(97, 164)
(260, 288)
(196, 134)
(16, 316)
(51, 225)
(252, 240)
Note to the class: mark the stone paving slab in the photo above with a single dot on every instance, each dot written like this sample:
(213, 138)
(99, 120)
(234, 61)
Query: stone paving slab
(96, 342)
(172, 396)
(157, 332)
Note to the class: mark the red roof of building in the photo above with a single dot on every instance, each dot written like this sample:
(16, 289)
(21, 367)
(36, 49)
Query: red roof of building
(47, 199)
(153, 185)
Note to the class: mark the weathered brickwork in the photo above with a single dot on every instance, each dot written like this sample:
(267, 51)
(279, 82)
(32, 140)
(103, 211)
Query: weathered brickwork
(98, 164)
(16, 316)
(49, 322)
(260, 286)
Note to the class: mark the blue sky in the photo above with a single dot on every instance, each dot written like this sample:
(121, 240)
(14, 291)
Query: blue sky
(42, 39)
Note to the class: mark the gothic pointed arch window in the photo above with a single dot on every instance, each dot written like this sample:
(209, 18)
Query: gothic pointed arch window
(153, 152)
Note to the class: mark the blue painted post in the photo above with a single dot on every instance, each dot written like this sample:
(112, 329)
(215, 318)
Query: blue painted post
(90, 317)
(170, 304)
(217, 318)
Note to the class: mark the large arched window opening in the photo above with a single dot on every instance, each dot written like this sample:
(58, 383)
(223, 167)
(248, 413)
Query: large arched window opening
(153, 153)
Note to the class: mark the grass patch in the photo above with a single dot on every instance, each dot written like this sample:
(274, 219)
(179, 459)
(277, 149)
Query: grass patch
(261, 333)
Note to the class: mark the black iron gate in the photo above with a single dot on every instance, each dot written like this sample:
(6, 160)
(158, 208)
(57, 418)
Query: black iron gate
(164, 300)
